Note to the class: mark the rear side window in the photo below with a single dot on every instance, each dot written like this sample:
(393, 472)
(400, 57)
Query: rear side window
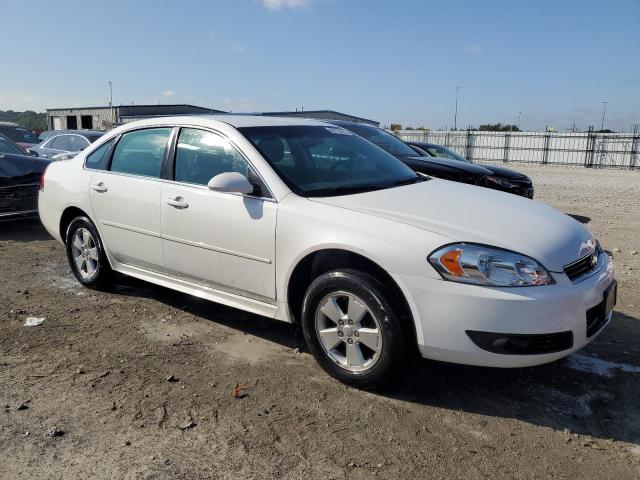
(141, 152)
(62, 142)
(78, 143)
(99, 159)
(202, 155)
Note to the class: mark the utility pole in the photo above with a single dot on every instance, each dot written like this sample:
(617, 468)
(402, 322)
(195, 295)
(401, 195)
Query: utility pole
(604, 112)
(519, 115)
(111, 101)
(455, 116)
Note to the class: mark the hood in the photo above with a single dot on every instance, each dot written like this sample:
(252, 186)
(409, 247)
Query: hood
(20, 169)
(479, 215)
(448, 164)
(506, 173)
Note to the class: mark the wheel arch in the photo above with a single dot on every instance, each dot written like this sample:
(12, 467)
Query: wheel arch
(67, 217)
(323, 260)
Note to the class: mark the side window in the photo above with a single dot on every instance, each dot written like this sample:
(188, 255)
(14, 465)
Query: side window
(99, 158)
(61, 142)
(202, 155)
(78, 143)
(140, 152)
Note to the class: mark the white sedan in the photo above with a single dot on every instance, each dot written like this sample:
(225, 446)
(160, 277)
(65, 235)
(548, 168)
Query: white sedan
(306, 222)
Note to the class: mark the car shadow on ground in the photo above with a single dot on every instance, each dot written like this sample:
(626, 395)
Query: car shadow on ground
(592, 392)
(27, 230)
(580, 218)
(274, 331)
(585, 394)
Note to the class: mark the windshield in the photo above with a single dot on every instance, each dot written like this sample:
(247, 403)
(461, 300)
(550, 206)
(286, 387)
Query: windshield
(438, 151)
(7, 147)
(323, 161)
(384, 140)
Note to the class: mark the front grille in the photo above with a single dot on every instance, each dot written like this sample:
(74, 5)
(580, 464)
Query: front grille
(583, 266)
(20, 198)
(522, 344)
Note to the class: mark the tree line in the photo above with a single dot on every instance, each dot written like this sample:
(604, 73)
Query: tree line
(29, 119)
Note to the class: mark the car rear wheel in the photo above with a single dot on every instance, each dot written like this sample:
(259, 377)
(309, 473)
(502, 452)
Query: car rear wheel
(352, 329)
(85, 254)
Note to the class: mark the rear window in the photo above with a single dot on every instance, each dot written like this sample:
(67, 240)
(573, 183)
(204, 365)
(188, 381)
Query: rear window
(19, 134)
(140, 152)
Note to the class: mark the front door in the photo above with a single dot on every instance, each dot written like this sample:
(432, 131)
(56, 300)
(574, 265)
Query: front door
(222, 240)
(126, 198)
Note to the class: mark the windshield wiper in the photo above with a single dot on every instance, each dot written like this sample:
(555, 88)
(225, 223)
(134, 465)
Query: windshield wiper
(343, 190)
(408, 181)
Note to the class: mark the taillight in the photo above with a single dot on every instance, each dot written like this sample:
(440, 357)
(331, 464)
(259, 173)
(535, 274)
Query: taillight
(42, 179)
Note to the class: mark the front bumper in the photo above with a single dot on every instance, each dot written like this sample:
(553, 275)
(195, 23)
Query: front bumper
(445, 311)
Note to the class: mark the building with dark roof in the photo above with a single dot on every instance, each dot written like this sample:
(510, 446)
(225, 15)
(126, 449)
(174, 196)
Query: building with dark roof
(104, 118)
(323, 115)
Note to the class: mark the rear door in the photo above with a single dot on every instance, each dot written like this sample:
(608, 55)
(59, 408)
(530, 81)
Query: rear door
(125, 196)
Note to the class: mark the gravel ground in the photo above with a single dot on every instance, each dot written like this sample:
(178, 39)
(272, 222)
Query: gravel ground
(138, 383)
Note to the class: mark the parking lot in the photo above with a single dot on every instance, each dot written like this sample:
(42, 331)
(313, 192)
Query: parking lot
(138, 382)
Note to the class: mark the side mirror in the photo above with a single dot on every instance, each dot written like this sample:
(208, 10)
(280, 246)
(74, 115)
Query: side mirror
(32, 153)
(231, 182)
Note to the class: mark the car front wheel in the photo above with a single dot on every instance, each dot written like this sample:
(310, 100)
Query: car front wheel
(352, 328)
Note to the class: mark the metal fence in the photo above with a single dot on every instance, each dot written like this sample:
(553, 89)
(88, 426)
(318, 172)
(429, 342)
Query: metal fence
(588, 149)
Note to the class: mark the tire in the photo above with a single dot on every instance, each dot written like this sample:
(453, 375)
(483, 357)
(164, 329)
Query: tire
(86, 256)
(382, 354)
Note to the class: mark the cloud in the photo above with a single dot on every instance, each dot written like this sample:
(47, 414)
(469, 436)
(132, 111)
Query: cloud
(168, 93)
(280, 4)
(473, 50)
(236, 47)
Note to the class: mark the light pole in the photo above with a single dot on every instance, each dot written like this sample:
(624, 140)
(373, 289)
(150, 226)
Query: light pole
(111, 100)
(455, 115)
(604, 112)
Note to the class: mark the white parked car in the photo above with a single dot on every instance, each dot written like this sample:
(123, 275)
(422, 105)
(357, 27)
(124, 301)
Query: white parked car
(303, 221)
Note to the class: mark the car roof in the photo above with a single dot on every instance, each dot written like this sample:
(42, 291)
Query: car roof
(424, 144)
(51, 133)
(347, 124)
(237, 121)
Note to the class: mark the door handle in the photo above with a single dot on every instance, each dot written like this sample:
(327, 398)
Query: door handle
(44, 155)
(99, 187)
(177, 202)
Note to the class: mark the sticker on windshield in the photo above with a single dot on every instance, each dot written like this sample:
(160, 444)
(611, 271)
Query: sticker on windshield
(339, 131)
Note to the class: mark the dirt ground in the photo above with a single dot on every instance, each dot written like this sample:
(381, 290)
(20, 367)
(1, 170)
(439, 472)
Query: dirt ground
(138, 382)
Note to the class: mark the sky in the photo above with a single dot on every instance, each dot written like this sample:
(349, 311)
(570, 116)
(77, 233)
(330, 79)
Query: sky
(551, 63)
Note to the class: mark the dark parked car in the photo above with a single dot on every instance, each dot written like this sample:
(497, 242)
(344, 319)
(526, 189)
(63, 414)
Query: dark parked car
(66, 141)
(464, 172)
(22, 136)
(20, 175)
(501, 178)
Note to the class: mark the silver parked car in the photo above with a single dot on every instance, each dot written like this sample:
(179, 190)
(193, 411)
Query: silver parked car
(66, 141)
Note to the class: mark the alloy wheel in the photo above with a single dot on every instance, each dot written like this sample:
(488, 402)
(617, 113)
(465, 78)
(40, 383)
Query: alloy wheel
(85, 253)
(348, 331)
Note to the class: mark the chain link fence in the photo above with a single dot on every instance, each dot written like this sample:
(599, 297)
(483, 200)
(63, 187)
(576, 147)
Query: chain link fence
(590, 149)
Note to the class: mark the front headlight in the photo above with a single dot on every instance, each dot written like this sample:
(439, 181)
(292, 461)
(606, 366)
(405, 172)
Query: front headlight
(502, 182)
(482, 265)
